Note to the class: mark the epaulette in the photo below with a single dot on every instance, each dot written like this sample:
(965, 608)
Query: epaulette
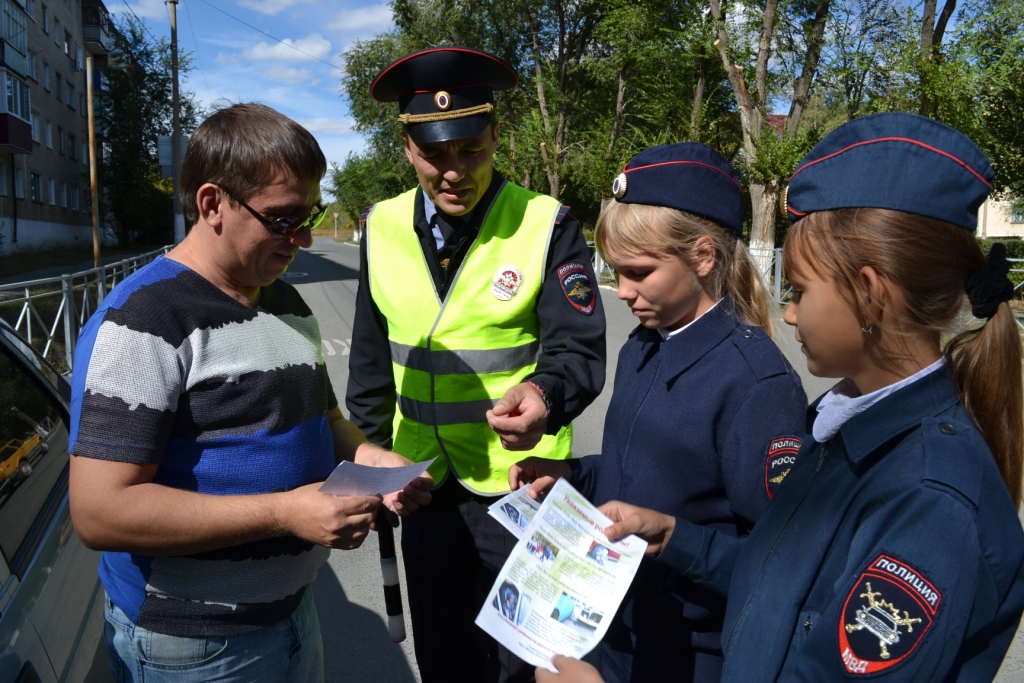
(948, 448)
(563, 211)
(365, 213)
(760, 352)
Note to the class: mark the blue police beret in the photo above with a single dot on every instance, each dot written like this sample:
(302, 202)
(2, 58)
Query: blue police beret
(688, 176)
(903, 162)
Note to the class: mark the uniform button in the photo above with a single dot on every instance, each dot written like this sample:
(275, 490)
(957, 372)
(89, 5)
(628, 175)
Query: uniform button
(748, 334)
(947, 429)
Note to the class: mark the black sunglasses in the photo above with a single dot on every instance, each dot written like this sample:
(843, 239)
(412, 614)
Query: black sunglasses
(286, 226)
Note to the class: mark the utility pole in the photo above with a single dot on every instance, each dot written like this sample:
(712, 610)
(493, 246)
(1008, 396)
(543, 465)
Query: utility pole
(179, 220)
(335, 214)
(93, 189)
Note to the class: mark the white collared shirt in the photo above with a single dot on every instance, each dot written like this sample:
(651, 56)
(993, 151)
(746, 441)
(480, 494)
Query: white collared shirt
(835, 409)
(666, 335)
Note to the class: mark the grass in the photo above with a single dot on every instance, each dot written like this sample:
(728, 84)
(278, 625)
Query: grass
(26, 262)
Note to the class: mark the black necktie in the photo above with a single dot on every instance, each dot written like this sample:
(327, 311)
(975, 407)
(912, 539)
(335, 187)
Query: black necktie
(451, 232)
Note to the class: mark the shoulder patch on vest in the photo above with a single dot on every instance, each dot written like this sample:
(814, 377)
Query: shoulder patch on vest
(366, 212)
(577, 286)
(887, 614)
(779, 461)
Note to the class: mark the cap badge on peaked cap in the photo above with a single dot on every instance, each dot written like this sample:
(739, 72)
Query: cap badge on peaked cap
(619, 186)
(443, 100)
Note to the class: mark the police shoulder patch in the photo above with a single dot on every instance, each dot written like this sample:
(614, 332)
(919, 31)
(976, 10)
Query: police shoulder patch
(886, 615)
(779, 461)
(577, 286)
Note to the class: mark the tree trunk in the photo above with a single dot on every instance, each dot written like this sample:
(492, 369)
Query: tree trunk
(620, 107)
(698, 98)
(764, 51)
(541, 100)
(802, 86)
(764, 197)
(554, 185)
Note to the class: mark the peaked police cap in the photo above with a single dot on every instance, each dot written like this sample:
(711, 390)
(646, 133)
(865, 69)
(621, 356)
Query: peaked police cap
(903, 162)
(688, 176)
(444, 93)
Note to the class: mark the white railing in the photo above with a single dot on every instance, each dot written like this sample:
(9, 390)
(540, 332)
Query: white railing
(50, 312)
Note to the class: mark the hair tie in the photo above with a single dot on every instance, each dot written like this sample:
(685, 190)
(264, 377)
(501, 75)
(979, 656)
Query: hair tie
(990, 286)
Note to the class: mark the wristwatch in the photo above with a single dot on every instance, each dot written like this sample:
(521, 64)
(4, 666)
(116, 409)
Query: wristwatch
(543, 394)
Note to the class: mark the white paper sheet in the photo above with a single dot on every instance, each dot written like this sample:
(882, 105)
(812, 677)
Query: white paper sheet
(563, 582)
(350, 479)
(515, 511)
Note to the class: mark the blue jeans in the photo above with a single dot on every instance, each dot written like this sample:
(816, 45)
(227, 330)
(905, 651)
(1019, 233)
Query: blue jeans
(290, 652)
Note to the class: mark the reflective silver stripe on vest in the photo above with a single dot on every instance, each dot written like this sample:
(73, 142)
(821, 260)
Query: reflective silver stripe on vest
(460, 412)
(465, 362)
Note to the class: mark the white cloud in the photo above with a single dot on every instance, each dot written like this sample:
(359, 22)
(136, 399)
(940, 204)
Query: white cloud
(325, 126)
(291, 75)
(312, 47)
(372, 18)
(143, 9)
(269, 6)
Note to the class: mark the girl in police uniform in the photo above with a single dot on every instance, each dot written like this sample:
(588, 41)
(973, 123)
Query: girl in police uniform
(706, 416)
(893, 551)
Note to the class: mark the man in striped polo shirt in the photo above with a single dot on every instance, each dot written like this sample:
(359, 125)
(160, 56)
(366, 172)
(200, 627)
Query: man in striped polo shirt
(203, 421)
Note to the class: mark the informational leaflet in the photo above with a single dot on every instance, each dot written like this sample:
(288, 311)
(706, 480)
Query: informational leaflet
(350, 479)
(562, 583)
(515, 511)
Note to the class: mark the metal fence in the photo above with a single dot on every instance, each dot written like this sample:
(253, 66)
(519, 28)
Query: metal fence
(50, 312)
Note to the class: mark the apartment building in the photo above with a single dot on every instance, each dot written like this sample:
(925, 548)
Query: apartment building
(44, 162)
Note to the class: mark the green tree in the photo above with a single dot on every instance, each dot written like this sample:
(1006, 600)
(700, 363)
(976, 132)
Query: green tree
(134, 110)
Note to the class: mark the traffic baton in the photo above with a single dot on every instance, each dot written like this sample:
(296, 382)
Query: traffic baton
(389, 570)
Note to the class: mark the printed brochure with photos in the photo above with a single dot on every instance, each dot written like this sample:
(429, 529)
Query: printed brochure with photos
(562, 583)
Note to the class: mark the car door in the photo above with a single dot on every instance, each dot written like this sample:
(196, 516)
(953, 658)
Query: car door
(54, 586)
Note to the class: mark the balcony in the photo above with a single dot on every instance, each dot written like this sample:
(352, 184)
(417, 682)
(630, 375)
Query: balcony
(97, 40)
(13, 59)
(15, 135)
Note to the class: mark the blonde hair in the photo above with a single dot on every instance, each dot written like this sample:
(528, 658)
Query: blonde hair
(641, 229)
(929, 260)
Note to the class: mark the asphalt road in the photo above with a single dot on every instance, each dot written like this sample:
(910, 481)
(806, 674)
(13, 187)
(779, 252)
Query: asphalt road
(349, 596)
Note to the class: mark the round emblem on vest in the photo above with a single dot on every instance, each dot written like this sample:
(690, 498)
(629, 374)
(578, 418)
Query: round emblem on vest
(506, 282)
(619, 186)
(443, 100)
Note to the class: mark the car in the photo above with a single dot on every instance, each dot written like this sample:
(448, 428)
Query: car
(51, 600)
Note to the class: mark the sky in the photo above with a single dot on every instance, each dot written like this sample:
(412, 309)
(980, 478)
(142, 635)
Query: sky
(236, 63)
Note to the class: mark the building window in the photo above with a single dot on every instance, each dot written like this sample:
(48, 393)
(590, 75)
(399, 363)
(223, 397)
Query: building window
(33, 67)
(81, 104)
(51, 187)
(70, 91)
(30, 8)
(46, 19)
(58, 85)
(67, 45)
(76, 203)
(36, 133)
(1017, 213)
(47, 76)
(49, 135)
(14, 27)
(85, 154)
(4, 187)
(37, 187)
(72, 151)
(19, 101)
(64, 195)
(57, 35)
(60, 140)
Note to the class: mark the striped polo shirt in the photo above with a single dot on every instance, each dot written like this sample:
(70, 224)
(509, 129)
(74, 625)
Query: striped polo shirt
(225, 400)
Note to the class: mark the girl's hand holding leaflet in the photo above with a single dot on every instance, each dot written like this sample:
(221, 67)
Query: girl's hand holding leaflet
(569, 671)
(654, 527)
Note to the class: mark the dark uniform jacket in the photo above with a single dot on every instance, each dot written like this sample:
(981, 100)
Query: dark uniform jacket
(891, 552)
(689, 432)
(571, 367)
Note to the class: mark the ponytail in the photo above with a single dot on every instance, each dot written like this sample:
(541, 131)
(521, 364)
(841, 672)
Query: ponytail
(930, 261)
(986, 365)
(659, 231)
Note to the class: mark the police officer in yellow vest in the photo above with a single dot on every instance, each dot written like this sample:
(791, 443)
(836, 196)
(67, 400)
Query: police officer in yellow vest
(478, 332)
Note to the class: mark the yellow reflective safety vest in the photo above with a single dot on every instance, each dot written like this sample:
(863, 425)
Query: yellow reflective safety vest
(453, 359)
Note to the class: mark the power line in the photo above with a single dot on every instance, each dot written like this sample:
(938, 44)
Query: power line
(199, 59)
(333, 66)
(141, 22)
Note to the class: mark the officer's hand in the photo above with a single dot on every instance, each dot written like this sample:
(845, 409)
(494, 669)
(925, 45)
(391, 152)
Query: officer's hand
(569, 671)
(653, 527)
(540, 473)
(409, 499)
(520, 418)
(332, 521)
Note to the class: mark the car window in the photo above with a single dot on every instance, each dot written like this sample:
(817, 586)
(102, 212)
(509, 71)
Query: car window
(33, 454)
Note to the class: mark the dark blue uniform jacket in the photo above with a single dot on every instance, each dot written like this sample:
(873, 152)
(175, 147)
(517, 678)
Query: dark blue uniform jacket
(891, 552)
(688, 433)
